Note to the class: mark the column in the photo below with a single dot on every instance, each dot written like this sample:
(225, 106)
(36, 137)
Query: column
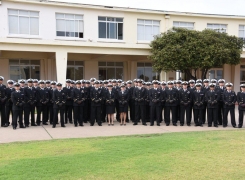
(61, 65)
(236, 84)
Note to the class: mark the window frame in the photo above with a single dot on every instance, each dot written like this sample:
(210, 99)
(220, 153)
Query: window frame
(187, 27)
(74, 66)
(29, 17)
(220, 29)
(243, 38)
(157, 74)
(145, 24)
(114, 66)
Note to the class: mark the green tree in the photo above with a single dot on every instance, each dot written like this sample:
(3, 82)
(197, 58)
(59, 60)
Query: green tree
(191, 50)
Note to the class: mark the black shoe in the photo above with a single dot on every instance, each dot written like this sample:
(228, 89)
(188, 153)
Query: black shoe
(239, 126)
(91, 124)
(70, 122)
(135, 124)
(75, 125)
(158, 125)
(27, 125)
(209, 125)
(144, 124)
(80, 124)
(21, 126)
(181, 124)
(224, 126)
(151, 124)
(234, 126)
(63, 126)
(14, 128)
(188, 124)
(216, 126)
(174, 124)
(6, 125)
(167, 124)
(33, 125)
(100, 124)
(45, 123)
(38, 124)
(53, 126)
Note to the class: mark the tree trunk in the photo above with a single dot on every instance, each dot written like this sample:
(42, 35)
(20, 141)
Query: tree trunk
(204, 73)
(189, 75)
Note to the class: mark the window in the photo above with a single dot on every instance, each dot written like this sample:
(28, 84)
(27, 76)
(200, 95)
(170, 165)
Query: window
(147, 29)
(145, 72)
(242, 74)
(110, 70)
(242, 32)
(69, 25)
(216, 73)
(110, 28)
(217, 27)
(23, 22)
(74, 70)
(187, 25)
(24, 69)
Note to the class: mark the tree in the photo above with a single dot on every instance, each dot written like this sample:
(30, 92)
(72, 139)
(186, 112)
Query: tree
(191, 50)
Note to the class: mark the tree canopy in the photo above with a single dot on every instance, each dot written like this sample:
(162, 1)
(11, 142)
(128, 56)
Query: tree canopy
(190, 50)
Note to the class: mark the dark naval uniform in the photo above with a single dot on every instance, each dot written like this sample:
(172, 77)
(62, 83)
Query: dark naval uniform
(229, 100)
(220, 90)
(185, 99)
(8, 105)
(139, 95)
(155, 97)
(241, 107)
(3, 99)
(30, 94)
(42, 100)
(69, 104)
(123, 98)
(18, 100)
(198, 98)
(131, 103)
(96, 96)
(59, 99)
(204, 89)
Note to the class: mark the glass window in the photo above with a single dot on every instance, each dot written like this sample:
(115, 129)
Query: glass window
(110, 70)
(241, 33)
(187, 25)
(23, 22)
(110, 28)
(24, 69)
(215, 74)
(74, 70)
(145, 72)
(242, 74)
(217, 27)
(69, 25)
(147, 29)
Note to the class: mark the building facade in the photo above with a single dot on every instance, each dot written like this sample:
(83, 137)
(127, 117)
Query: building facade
(54, 40)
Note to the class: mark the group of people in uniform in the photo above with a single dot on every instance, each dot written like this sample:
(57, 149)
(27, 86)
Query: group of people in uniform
(35, 102)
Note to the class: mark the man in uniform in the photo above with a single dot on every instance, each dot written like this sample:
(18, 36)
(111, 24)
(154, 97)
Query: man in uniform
(205, 88)
(30, 95)
(212, 98)
(96, 98)
(130, 103)
(171, 102)
(69, 102)
(51, 92)
(198, 98)
(229, 99)
(241, 104)
(139, 95)
(9, 103)
(220, 90)
(3, 99)
(87, 106)
(155, 97)
(59, 99)
(18, 102)
(185, 99)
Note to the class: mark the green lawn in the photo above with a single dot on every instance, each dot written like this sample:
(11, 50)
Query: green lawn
(192, 155)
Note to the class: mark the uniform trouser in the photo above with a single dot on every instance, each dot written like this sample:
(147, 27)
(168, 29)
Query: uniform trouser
(155, 112)
(103, 112)
(87, 110)
(42, 110)
(220, 113)
(164, 113)
(56, 112)
(198, 115)
(147, 113)
(140, 113)
(117, 109)
(132, 110)
(3, 116)
(78, 114)
(178, 112)
(8, 110)
(95, 114)
(51, 114)
(204, 113)
(185, 110)
(241, 114)
(27, 111)
(173, 110)
(17, 114)
(68, 113)
(212, 116)
(232, 114)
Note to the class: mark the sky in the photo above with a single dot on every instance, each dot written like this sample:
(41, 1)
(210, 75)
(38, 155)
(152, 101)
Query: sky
(225, 7)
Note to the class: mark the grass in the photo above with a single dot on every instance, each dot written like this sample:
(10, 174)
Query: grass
(193, 155)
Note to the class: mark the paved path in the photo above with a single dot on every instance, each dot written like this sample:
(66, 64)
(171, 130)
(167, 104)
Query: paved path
(47, 132)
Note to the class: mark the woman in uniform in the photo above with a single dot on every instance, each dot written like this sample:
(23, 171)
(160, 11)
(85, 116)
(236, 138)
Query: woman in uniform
(110, 104)
(123, 97)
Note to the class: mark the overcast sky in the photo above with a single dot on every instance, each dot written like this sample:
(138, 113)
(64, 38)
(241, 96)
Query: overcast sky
(227, 7)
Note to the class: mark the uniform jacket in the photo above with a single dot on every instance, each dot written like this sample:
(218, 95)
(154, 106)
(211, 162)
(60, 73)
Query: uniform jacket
(59, 98)
(212, 99)
(198, 99)
(229, 99)
(79, 96)
(155, 97)
(18, 100)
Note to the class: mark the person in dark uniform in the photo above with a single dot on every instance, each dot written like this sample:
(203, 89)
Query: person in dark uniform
(220, 89)
(212, 98)
(42, 100)
(9, 103)
(171, 102)
(96, 98)
(130, 90)
(155, 97)
(69, 102)
(205, 88)
(185, 99)
(139, 95)
(198, 98)
(178, 87)
(3, 99)
(192, 88)
(79, 97)
(147, 103)
(229, 99)
(87, 106)
(116, 89)
(241, 104)
(51, 111)
(103, 104)
(163, 88)
(49, 104)
(123, 97)
(30, 95)
(59, 99)
(110, 97)
(22, 84)
(18, 101)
